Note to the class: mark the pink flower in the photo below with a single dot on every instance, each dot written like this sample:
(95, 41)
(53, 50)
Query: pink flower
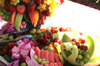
(1, 20)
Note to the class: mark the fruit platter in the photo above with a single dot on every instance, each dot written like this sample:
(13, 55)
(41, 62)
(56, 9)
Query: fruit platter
(24, 43)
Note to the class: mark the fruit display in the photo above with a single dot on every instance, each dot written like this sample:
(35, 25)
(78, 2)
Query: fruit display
(22, 44)
(30, 11)
(49, 47)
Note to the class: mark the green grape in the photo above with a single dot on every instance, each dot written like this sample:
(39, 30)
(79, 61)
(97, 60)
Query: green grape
(55, 44)
(79, 57)
(87, 56)
(39, 60)
(77, 60)
(6, 36)
(3, 17)
(41, 35)
(82, 62)
(80, 51)
(7, 17)
(11, 38)
(84, 53)
(4, 11)
(23, 64)
(73, 43)
(38, 31)
(47, 62)
(33, 39)
(43, 59)
(1, 13)
(43, 62)
(35, 36)
(34, 30)
(35, 57)
(46, 47)
(3, 37)
(49, 49)
(85, 59)
(42, 49)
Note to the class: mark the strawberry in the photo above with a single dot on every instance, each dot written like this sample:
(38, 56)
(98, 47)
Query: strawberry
(4, 51)
(12, 18)
(46, 12)
(38, 1)
(31, 6)
(61, 1)
(35, 43)
(10, 51)
(11, 8)
(11, 45)
(21, 9)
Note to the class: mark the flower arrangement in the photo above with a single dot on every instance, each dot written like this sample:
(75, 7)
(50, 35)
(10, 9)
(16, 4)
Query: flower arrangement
(32, 11)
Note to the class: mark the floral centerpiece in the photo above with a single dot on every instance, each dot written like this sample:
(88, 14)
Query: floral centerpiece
(30, 11)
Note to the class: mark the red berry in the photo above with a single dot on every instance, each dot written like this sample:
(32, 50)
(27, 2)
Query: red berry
(59, 41)
(38, 1)
(83, 41)
(46, 12)
(45, 35)
(61, 1)
(80, 33)
(10, 51)
(83, 47)
(4, 51)
(77, 42)
(56, 40)
(61, 29)
(11, 45)
(35, 43)
(73, 40)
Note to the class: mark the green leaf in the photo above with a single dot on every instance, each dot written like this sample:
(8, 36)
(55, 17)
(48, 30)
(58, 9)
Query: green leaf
(7, 58)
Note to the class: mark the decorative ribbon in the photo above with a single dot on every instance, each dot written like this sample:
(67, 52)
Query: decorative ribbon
(22, 49)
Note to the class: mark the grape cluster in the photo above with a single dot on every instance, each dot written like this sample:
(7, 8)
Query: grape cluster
(47, 48)
(5, 14)
(6, 37)
(41, 61)
(82, 57)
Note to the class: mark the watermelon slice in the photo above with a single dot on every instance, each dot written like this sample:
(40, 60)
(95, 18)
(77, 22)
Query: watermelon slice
(37, 50)
(51, 57)
(60, 64)
(57, 58)
(55, 64)
(41, 54)
(51, 64)
(45, 54)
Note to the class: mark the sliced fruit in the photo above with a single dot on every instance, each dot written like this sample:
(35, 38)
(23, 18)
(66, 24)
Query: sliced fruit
(21, 9)
(67, 37)
(90, 44)
(38, 1)
(69, 52)
(12, 18)
(36, 17)
(18, 20)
